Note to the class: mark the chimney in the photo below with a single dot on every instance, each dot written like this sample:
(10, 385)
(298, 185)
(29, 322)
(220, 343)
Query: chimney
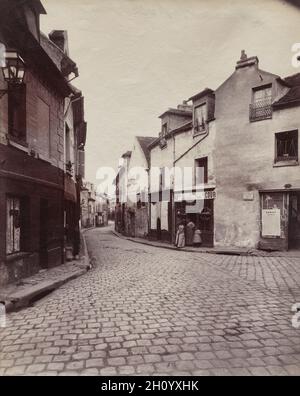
(245, 61)
(184, 106)
(60, 38)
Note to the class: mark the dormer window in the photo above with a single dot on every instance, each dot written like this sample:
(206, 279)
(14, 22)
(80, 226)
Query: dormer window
(200, 118)
(261, 106)
(164, 131)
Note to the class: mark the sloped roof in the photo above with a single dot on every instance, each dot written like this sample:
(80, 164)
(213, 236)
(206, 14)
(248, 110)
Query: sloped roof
(179, 129)
(292, 97)
(293, 80)
(144, 142)
(204, 92)
(180, 112)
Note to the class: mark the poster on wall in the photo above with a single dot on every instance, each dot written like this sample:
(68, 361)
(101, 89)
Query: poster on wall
(271, 223)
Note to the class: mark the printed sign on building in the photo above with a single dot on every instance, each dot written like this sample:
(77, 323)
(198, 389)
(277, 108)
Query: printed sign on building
(271, 223)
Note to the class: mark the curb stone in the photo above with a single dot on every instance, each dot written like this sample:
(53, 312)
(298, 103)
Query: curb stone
(19, 299)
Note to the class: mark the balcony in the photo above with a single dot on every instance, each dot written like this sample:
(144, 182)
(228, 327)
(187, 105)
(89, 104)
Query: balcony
(261, 110)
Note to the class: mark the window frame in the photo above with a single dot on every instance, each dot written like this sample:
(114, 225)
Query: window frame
(290, 159)
(21, 224)
(21, 136)
(200, 128)
(196, 165)
(255, 108)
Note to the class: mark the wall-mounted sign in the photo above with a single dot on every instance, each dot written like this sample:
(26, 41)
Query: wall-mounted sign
(193, 196)
(271, 223)
(248, 196)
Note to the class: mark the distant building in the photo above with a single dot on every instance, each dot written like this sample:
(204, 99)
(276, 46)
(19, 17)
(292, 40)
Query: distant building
(131, 217)
(88, 205)
(102, 209)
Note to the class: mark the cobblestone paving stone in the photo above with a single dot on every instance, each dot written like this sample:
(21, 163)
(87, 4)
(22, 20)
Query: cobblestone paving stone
(152, 311)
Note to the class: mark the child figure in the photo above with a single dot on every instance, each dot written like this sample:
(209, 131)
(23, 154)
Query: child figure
(197, 241)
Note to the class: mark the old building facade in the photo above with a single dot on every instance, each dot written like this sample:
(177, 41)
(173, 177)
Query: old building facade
(132, 188)
(240, 145)
(35, 184)
(88, 205)
(258, 180)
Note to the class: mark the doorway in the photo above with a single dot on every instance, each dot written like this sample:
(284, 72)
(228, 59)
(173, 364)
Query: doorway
(44, 233)
(201, 213)
(294, 221)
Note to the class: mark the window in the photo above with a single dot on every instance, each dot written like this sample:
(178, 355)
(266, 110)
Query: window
(43, 127)
(164, 130)
(286, 146)
(201, 171)
(200, 118)
(138, 201)
(261, 107)
(13, 225)
(17, 113)
(68, 149)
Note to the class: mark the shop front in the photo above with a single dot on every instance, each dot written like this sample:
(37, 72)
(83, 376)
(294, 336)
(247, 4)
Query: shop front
(280, 219)
(199, 211)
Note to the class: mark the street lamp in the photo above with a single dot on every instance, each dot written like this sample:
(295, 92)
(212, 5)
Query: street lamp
(13, 70)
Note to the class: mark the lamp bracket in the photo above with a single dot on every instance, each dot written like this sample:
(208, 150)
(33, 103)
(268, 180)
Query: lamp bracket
(3, 92)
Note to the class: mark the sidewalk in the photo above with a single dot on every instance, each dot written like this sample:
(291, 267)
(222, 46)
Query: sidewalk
(26, 291)
(217, 250)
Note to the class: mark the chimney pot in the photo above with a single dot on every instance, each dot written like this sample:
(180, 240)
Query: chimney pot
(243, 55)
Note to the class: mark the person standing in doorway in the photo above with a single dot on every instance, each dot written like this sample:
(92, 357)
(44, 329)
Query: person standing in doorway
(180, 236)
(197, 240)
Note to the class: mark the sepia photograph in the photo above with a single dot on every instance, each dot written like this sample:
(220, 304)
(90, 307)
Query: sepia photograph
(149, 191)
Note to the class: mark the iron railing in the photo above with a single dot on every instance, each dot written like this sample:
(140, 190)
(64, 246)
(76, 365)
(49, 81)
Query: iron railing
(261, 110)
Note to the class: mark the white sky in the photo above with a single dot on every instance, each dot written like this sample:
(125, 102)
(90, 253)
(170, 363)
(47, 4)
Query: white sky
(136, 58)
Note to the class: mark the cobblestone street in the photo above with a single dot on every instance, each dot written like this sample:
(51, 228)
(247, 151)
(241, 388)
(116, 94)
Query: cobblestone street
(146, 310)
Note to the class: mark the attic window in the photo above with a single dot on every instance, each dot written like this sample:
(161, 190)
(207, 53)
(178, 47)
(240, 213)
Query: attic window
(200, 118)
(261, 106)
(164, 131)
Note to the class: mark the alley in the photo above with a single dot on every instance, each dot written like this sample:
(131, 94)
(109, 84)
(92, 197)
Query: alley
(146, 310)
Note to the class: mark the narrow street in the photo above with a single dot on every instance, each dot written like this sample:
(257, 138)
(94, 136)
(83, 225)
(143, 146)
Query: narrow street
(147, 310)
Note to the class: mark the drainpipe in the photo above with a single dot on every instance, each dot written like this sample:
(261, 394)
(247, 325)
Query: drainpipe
(149, 198)
(194, 145)
(173, 225)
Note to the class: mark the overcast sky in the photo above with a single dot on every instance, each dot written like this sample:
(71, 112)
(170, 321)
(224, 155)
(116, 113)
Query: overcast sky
(136, 58)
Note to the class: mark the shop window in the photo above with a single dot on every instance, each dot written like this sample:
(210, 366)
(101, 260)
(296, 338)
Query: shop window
(273, 215)
(13, 225)
(201, 171)
(17, 113)
(286, 146)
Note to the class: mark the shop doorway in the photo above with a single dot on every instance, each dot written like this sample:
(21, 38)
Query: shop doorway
(202, 218)
(294, 221)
